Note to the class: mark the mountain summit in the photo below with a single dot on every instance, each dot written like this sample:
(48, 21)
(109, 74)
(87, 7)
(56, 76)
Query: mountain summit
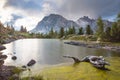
(54, 21)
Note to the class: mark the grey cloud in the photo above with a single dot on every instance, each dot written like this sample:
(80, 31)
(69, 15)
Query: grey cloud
(24, 4)
(72, 9)
(92, 8)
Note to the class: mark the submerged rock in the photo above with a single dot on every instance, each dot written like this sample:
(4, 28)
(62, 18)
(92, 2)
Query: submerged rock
(24, 66)
(14, 57)
(31, 62)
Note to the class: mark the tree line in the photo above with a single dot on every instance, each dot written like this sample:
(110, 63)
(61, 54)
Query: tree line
(111, 34)
(102, 33)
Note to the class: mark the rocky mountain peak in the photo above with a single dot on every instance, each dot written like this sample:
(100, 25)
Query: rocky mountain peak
(54, 21)
(86, 19)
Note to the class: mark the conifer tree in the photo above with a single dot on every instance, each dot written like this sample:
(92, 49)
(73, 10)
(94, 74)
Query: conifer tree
(89, 30)
(100, 28)
(61, 33)
(81, 32)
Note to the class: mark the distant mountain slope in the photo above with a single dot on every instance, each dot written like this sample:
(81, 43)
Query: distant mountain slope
(54, 21)
(84, 21)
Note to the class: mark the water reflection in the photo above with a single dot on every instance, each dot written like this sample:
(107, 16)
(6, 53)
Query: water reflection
(48, 51)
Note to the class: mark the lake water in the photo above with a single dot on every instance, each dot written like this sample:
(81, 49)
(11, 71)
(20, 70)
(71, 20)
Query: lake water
(48, 52)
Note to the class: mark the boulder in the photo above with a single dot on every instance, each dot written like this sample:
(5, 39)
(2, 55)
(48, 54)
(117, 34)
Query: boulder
(3, 57)
(2, 47)
(1, 62)
(31, 62)
(14, 57)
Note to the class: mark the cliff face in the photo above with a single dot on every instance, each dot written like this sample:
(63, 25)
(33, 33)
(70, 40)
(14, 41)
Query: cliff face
(53, 21)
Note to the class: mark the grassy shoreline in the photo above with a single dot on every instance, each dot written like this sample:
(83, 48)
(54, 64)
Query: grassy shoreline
(81, 71)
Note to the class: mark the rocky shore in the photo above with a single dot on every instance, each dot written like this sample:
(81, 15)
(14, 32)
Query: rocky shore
(94, 45)
(7, 72)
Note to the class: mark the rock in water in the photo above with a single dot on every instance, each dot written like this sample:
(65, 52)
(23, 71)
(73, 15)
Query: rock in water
(3, 57)
(1, 62)
(14, 57)
(31, 62)
(2, 47)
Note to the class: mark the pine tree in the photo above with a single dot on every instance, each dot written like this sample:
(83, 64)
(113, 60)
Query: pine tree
(61, 33)
(108, 34)
(70, 30)
(73, 30)
(51, 33)
(89, 30)
(25, 29)
(118, 18)
(21, 29)
(12, 28)
(81, 32)
(114, 31)
(100, 29)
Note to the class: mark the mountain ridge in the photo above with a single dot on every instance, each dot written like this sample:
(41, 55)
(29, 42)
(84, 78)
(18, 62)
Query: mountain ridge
(57, 21)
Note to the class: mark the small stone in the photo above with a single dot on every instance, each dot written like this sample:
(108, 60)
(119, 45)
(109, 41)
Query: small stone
(14, 57)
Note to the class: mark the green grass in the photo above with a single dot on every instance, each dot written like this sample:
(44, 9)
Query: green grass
(33, 78)
(81, 37)
(83, 71)
(17, 70)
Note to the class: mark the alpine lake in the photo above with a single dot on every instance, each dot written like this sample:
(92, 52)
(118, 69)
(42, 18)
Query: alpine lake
(51, 64)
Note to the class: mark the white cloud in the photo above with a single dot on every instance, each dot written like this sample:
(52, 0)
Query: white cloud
(28, 22)
(5, 15)
(29, 18)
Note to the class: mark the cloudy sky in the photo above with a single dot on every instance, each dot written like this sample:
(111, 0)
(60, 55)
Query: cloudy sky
(29, 12)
